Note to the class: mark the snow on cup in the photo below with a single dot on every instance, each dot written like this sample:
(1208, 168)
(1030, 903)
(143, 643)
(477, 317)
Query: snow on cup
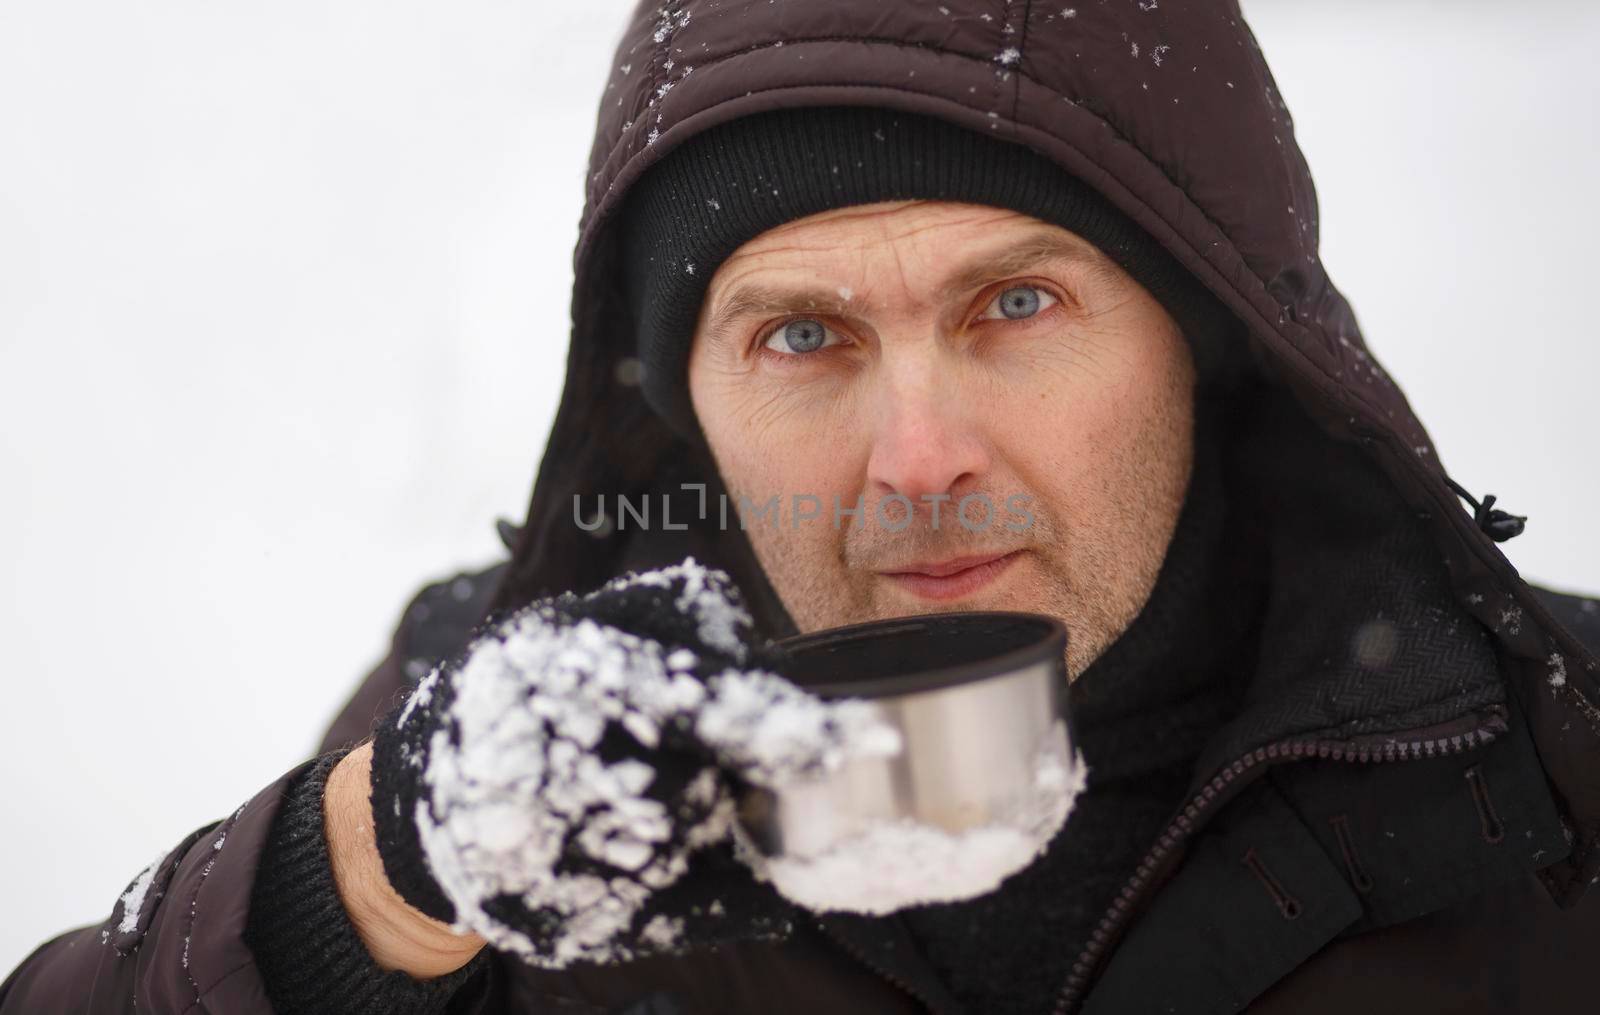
(985, 773)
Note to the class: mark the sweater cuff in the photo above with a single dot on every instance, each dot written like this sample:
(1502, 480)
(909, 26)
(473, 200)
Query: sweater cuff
(310, 957)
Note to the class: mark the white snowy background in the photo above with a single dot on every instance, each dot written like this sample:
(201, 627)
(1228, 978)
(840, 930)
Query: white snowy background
(283, 311)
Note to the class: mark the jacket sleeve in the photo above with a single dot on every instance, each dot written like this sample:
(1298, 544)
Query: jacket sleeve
(176, 938)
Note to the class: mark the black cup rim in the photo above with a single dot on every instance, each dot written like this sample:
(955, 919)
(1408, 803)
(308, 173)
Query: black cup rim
(1049, 646)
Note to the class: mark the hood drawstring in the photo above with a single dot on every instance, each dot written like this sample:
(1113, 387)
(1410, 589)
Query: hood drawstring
(508, 532)
(1499, 525)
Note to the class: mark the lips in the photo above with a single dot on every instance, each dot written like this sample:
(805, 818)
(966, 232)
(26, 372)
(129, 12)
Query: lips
(952, 578)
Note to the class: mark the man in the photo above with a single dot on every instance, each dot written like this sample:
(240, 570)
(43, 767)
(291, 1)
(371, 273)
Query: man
(1341, 755)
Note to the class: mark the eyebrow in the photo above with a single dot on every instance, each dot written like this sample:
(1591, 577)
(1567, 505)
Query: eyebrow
(1027, 253)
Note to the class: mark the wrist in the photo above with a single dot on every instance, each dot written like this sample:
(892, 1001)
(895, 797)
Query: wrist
(397, 935)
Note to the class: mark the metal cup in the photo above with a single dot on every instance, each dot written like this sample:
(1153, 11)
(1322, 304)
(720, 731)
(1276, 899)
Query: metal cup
(979, 702)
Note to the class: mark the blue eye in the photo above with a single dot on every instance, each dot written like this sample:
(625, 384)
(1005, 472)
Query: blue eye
(1020, 301)
(798, 337)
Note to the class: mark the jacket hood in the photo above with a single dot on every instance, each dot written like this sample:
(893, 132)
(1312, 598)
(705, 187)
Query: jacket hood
(1170, 112)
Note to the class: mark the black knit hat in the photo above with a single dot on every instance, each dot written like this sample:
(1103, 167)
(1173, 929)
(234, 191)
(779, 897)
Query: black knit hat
(728, 184)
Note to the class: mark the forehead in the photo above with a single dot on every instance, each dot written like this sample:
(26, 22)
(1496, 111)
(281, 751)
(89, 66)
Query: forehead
(921, 235)
(875, 226)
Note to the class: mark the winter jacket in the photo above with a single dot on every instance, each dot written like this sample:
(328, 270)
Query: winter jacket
(1405, 815)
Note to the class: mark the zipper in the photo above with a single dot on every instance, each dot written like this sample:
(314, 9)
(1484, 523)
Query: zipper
(862, 957)
(1451, 737)
(1454, 736)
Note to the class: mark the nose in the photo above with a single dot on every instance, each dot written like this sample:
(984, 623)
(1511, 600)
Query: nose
(925, 440)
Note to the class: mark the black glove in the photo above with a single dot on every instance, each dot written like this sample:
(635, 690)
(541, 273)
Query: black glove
(564, 787)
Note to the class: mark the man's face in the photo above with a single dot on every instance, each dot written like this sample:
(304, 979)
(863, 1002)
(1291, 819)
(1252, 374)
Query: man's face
(918, 353)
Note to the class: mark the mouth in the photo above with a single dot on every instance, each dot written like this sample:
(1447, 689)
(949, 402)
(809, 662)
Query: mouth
(953, 578)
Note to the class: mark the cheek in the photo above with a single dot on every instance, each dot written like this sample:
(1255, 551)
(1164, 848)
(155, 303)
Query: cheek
(1105, 442)
(796, 459)
(766, 444)
(1068, 429)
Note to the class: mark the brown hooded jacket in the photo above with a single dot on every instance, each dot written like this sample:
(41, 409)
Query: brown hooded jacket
(1415, 833)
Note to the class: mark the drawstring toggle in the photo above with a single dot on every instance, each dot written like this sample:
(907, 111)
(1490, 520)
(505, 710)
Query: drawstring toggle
(1499, 525)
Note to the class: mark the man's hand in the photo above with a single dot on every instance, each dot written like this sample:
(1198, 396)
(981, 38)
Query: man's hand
(396, 935)
(565, 788)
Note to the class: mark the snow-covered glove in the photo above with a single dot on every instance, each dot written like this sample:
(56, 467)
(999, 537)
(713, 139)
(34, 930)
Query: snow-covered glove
(565, 786)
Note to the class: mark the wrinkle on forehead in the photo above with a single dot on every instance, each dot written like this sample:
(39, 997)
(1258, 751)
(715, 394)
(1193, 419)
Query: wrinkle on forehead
(896, 221)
